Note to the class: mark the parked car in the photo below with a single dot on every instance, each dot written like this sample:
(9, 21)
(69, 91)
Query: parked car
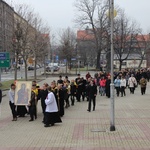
(30, 68)
(37, 66)
(52, 68)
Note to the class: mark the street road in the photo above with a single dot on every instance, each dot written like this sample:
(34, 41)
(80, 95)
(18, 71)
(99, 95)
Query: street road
(20, 74)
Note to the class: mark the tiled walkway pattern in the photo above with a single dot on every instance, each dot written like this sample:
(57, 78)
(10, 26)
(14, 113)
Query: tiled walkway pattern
(77, 132)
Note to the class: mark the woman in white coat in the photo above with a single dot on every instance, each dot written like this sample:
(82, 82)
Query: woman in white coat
(51, 111)
(132, 83)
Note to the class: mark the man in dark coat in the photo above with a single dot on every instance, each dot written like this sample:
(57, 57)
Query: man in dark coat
(92, 92)
(73, 89)
(42, 95)
(108, 82)
(60, 81)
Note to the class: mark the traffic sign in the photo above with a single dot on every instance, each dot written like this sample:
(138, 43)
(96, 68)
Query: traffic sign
(30, 60)
(4, 60)
(2, 56)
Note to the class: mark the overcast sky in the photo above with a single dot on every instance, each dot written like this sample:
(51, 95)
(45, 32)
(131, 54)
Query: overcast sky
(60, 13)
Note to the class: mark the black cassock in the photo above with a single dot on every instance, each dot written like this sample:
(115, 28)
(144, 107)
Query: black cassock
(108, 82)
(21, 111)
(59, 95)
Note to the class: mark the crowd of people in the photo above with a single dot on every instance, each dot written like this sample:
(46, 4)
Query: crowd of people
(122, 80)
(63, 93)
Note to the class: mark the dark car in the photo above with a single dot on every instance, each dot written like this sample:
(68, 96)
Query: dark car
(30, 68)
(52, 68)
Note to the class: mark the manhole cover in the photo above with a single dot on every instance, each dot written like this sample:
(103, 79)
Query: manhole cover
(98, 130)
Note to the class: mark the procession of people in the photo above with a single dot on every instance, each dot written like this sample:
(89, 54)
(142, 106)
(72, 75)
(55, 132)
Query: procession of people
(59, 95)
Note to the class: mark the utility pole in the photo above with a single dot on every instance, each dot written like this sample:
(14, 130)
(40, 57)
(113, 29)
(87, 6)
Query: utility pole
(112, 108)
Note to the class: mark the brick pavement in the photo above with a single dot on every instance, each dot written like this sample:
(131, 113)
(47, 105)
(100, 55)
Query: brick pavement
(132, 122)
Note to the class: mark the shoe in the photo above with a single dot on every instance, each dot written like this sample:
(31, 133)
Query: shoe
(88, 110)
(52, 124)
(31, 120)
(14, 119)
(47, 125)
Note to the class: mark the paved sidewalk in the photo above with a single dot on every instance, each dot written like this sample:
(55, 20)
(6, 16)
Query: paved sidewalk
(132, 122)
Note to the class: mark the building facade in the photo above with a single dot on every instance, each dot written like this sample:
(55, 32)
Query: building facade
(6, 27)
(138, 53)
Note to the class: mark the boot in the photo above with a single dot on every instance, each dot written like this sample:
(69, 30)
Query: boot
(93, 108)
(14, 119)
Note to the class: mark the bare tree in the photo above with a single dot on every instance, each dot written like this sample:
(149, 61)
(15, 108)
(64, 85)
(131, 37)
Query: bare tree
(17, 38)
(93, 14)
(67, 42)
(40, 40)
(142, 46)
(125, 33)
(24, 18)
(33, 42)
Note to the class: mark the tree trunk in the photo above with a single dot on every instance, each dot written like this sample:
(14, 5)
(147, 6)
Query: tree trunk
(35, 63)
(120, 65)
(26, 71)
(66, 65)
(98, 61)
(16, 64)
(141, 61)
(108, 58)
(44, 66)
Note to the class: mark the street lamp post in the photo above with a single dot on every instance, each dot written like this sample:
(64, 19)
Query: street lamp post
(112, 112)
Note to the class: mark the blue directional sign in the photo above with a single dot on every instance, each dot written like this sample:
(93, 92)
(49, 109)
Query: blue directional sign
(2, 56)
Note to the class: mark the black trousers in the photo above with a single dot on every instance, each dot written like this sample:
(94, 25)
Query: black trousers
(43, 110)
(143, 89)
(132, 90)
(13, 109)
(123, 91)
(79, 92)
(90, 101)
(32, 111)
(72, 97)
(117, 90)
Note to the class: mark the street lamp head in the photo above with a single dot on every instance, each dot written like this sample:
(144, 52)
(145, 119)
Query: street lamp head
(109, 13)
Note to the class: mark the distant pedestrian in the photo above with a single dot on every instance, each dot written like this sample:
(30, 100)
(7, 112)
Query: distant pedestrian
(143, 83)
(88, 76)
(132, 83)
(102, 86)
(11, 95)
(108, 82)
(117, 85)
(123, 86)
(60, 81)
